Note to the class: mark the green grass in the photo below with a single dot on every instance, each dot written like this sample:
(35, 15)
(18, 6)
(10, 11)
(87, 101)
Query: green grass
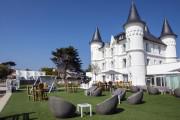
(159, 107)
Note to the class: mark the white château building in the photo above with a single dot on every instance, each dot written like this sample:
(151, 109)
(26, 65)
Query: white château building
(136, 54)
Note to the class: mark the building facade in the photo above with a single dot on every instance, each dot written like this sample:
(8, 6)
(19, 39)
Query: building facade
(135, 53)
(28, 75)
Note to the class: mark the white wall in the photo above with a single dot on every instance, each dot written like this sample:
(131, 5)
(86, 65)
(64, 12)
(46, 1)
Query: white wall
(170, 52)
(29, 74)
(138, 58)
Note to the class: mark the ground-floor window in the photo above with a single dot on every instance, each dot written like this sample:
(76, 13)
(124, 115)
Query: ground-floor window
(170, 81)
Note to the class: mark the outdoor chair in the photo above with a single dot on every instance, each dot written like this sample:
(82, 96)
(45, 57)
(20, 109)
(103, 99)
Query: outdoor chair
(108, 106)
(97, 92)
(120, 84)
(177, 92)
(152, 90)
(61, 108)
(75, 86)
(42, 92)
(31, 92)
(91, 90)
(136, 98)
(134, 89)
(121, 92)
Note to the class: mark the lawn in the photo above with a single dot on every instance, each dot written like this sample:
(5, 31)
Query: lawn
(157, 107)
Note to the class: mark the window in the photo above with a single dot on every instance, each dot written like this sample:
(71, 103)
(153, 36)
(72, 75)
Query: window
(112, 51)
(129, 60)
(128, 43)
(147, 48)
(159, 49)
(147, 62)
(104, 78)
(103, 54)
(103, 66)
(124, 47)
(124, 63)
(112, 64)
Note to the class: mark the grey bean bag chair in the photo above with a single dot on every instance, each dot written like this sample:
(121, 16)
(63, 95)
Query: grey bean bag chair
(152, 90)
(134, 89)
(108, 106)
(91, 89)
(61, 108)
(121, 92)
(136, 98)
(177, 92)
(97, 92)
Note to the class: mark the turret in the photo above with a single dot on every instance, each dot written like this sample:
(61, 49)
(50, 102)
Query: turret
(134, 29)
(95, 44)
(169, 38)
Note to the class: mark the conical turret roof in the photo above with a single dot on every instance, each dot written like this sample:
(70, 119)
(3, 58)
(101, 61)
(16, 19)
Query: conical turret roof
(133, 15)
(96, 36)
(166, 29)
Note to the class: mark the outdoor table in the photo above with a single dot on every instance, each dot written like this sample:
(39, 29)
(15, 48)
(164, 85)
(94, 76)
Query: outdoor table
(162, 91)
(84, 105)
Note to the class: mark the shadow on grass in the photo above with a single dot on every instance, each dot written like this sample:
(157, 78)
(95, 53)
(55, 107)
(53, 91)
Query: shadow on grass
(142, 102)
(72, 116)
(118, 110)
(20, 90)
(24, 116)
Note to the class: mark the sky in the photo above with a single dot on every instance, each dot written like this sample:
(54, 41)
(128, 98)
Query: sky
(31, 29)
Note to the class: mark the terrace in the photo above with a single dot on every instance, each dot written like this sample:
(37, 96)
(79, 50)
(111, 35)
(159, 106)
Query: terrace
(153, 107)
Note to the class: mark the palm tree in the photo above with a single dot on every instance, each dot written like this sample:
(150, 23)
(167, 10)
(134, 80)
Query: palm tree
(66, 59)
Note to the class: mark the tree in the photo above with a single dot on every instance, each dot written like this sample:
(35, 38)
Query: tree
(9, 64)
(49, 71)
(6, 69)
(66, 59)
(3, 71)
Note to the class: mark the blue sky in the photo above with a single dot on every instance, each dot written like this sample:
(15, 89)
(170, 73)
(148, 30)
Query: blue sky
(31, 29)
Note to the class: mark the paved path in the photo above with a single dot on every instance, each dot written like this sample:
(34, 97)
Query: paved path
(4, 100)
